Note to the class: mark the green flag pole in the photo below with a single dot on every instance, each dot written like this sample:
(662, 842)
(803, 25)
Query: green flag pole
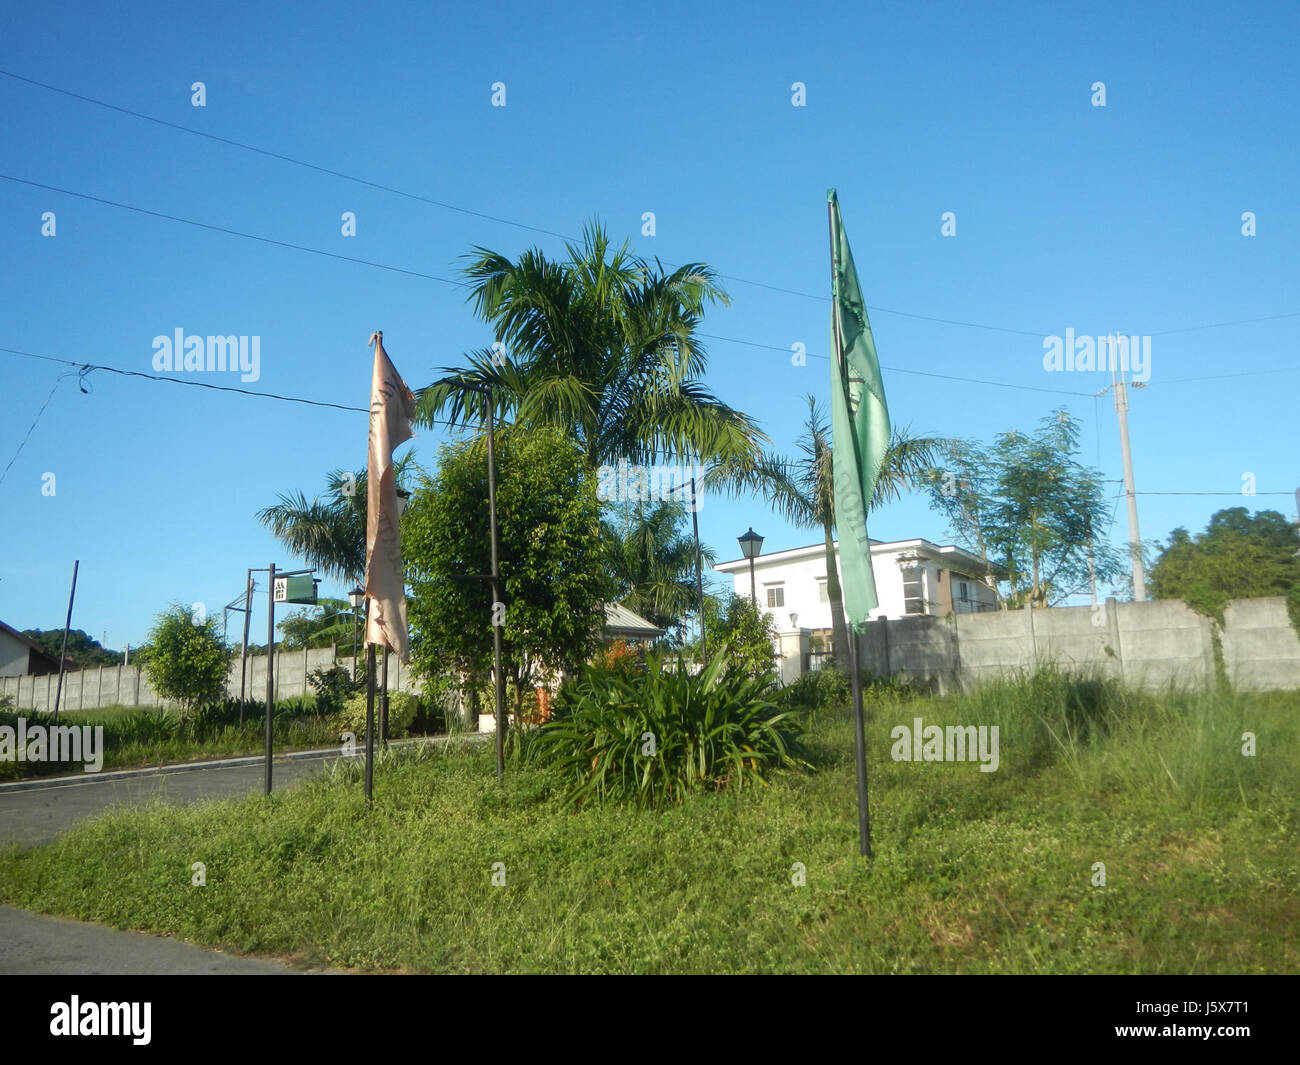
(855, 674)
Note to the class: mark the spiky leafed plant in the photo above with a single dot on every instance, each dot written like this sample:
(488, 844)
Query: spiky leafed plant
(603, 345)
(802, 489)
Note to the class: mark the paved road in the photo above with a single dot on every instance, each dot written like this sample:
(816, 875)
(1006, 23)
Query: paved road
(29, 818)
(33, 944)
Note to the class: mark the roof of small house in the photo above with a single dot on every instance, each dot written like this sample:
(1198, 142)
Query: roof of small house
(620, 621)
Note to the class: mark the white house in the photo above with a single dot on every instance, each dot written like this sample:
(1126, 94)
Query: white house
(912, 577)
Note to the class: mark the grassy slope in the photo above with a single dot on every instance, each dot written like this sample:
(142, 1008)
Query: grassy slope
(975, 872)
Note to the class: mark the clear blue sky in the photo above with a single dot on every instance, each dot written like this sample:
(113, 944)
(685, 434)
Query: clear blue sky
(1126, 217)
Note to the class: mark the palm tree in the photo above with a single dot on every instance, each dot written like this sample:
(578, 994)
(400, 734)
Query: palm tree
(802, 489)
(652, 561)
(602, 345)
(328, 534)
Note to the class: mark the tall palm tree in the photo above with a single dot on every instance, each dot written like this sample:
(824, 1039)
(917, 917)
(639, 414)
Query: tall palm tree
(652, 561)
(802, 489)
(603, 345)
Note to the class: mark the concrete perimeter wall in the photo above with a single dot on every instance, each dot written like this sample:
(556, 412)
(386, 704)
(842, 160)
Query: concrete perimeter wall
(1149, 645)
(89, 689)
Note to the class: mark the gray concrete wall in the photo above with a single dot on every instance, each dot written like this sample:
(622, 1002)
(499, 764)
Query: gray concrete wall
(1150, 645)
(1260, 648)
(89, 689)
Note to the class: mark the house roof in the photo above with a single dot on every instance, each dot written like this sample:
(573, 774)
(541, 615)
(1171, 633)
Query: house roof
(620, 621)
(32, 644)
(957, 558)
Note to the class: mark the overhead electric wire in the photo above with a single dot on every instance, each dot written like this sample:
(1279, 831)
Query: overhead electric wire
(343, 175)
(89, 367)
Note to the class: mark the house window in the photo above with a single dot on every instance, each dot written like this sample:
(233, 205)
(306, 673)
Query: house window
(965, 592)
(822, 595)
(776, 595)
(913, 591)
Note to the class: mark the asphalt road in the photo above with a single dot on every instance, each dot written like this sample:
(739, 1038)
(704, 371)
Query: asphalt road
(32, 944)
(30, 818)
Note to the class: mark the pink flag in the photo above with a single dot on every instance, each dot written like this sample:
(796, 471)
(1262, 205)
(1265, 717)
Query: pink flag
(392, 405)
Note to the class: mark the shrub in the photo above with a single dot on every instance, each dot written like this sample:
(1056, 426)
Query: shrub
(187, 660)
(333, 686)
(402, 708)
(657, 736)
(824, 689)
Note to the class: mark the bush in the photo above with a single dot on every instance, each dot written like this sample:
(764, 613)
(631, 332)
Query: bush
(187, 660)
(402, 708)
(333, 687)
(657, 736)
(825, 689)
(742, 635)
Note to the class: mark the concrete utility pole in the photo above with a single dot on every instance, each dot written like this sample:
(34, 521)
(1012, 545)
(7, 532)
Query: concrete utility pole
(1130, 492)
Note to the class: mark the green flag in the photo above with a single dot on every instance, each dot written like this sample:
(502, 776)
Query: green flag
(859, 422)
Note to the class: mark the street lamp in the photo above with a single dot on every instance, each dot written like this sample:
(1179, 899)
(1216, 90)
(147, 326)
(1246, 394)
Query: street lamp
(750, 545)
(356, 597)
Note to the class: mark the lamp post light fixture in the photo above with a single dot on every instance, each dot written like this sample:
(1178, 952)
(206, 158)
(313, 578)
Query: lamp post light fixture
(750, 545)
(794, 620)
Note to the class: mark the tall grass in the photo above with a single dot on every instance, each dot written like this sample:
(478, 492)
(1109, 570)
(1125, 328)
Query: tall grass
(974, 872)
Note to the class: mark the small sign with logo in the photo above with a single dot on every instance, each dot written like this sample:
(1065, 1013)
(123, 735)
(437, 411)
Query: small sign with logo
(295, 589)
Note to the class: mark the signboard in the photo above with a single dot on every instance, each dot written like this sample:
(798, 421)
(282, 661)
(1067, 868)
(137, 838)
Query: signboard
(295, 589)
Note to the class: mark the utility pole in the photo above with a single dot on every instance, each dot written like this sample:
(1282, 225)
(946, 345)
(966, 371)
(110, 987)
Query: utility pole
(1130, 492)
(67, 624)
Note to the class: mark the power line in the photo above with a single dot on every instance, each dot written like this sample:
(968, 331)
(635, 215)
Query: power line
(231, 232)
(86, 368)
(711, 336)
(57, 381)
(539, 229)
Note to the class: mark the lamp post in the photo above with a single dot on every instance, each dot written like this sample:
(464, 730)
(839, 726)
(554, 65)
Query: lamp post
(699, 563)
(750, 545)
(356, 597)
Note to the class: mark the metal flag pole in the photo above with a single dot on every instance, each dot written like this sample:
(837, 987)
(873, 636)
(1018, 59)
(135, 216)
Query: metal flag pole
(855, 678)
(370, 720)
(500, 677)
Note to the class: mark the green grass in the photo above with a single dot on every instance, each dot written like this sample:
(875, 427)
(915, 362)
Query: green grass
(127, 745)
(974, 872)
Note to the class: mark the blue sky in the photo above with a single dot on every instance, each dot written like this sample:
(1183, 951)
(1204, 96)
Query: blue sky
(1069, 216)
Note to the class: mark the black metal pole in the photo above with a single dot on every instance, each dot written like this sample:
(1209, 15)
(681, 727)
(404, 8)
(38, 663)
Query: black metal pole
(499, 675)
(67, 624)
(243, 647)
(699, 578)
(859, 747)
(383, 704)
(370, 722)
(753, 588)
(270, 669)
(855, 679)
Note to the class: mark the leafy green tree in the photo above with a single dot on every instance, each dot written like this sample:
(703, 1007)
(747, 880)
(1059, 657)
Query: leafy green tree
(187, 661)
(1239, 556)
(84, 652)
(802, 489)
(1026, 504)
(652, 561)
(603, 346)
(327, 623)
(552, 562)
(742, 634)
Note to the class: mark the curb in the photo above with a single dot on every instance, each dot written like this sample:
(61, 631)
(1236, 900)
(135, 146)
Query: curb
(80, 780)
